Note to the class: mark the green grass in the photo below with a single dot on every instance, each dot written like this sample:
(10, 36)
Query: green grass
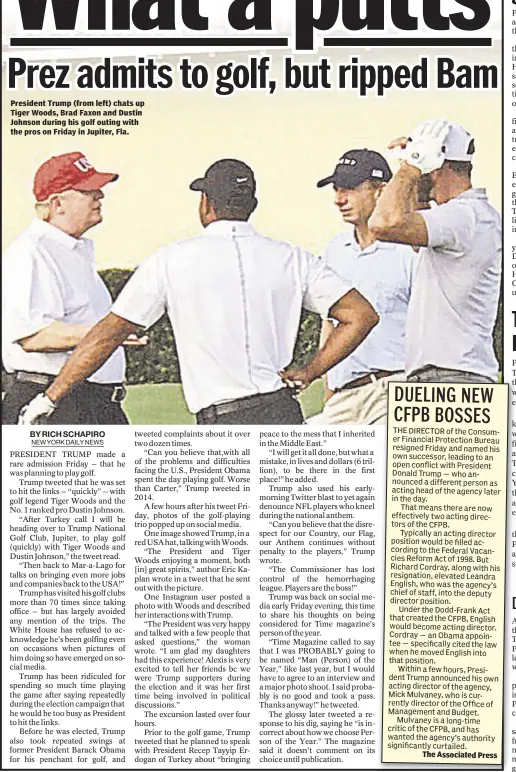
(163, 403)
(157, 403)
(312, 399)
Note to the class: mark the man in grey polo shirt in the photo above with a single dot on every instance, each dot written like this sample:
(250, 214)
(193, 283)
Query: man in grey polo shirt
(234, 299)
(457, 281)
(356, 388)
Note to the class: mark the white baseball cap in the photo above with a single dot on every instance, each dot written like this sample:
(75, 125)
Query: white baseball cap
(459, 144)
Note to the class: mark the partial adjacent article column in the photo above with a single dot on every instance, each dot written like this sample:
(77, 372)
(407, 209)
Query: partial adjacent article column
(445, 571)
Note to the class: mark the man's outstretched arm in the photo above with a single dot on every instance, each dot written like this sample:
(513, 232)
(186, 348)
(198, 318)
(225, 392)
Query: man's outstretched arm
(57, 336)
(356, 318)
(90, 354)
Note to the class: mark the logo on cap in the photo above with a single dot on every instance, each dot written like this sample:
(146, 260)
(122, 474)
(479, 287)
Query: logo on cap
(357, 166)
(227, 177)
(83, 164)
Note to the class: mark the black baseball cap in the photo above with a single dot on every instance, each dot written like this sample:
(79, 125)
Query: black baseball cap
(227, 177)
(357, 166)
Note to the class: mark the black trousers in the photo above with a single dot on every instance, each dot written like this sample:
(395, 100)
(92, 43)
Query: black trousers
(85, 404)
(277, 408)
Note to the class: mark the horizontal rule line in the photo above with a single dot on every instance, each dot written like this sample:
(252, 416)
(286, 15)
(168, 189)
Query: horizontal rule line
(394, 41)
(57, 42)
(350, 42)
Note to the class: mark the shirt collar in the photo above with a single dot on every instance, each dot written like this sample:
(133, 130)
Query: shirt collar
(473, 193)
(229, 228)
(43, 228)
(351, 241)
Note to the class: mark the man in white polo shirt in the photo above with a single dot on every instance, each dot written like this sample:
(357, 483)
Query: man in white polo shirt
(234, 299)
(52, 296)
(457, 281)
(356, 388)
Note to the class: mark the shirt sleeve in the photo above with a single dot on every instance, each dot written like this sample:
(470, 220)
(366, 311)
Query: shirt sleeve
(410, 261)
(450, 228)
(143, 299)
(323, 287)
(32, 294)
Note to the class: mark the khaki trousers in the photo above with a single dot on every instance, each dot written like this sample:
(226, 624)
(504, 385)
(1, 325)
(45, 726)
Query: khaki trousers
(364, 405)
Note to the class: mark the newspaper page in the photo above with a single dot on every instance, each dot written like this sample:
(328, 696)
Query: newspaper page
(257, 362)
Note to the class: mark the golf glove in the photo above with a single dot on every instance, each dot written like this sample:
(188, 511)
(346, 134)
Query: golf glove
(36, 411)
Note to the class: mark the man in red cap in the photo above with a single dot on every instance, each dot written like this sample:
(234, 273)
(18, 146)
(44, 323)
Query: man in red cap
(53, 296)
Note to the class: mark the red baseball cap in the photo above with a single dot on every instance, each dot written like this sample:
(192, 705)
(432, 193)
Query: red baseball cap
(71, 171)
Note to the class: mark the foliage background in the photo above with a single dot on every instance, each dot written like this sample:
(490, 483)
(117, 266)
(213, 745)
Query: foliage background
(158, 362)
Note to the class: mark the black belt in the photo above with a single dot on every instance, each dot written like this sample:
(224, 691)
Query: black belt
(427, 368)
(365, 380)
(212, 412)
(112, 392)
